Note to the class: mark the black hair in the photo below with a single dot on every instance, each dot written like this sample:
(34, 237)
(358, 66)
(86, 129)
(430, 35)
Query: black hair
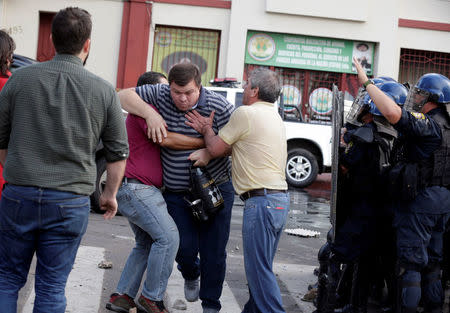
(71, 27)
(7, 47)
(150, 78)
(182, 73)
(362, 45)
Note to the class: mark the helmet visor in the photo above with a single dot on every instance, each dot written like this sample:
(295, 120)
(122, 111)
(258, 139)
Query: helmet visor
(356, 108)
(416, 99)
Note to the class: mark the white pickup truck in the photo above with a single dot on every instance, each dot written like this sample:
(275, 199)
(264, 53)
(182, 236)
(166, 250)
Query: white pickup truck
(309, 148)
(309, 145)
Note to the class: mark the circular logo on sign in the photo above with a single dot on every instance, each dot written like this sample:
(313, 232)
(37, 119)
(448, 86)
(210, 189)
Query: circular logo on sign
(291, 95)
(261, 47)
(163, 39)
(320, 100)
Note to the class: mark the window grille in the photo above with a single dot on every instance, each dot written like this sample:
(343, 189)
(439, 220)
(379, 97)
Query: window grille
(299, 84)
(174, 45)
(415, 63)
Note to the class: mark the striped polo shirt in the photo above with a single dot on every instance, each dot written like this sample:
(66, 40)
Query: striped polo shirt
(175, 162)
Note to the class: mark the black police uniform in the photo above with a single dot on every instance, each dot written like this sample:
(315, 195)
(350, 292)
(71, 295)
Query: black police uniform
(355, 235)
(422, 208)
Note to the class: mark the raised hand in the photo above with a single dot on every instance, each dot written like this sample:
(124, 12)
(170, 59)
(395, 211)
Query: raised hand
(362, 77)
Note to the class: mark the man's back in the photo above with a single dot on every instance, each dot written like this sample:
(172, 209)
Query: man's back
(58, 112)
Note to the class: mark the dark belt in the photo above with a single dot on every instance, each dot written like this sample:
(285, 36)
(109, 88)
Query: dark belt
(132, 181)
(259, 192)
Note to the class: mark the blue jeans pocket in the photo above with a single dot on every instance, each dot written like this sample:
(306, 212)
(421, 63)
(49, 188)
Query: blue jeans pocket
(9, 210)
(277, 208)
(276, 215)
(74, 213)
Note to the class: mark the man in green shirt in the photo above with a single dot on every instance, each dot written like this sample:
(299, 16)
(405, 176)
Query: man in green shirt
(52, 116)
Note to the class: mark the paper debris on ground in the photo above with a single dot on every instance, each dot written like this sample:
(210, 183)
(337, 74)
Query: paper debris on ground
(301, 232)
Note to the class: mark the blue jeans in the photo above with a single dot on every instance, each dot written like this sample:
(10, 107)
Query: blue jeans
(156, 241)
(50, 223)
(209, 239)
(264, 219)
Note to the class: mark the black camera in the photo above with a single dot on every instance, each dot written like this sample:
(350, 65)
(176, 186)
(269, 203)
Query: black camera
(206, 197)
(196, 207)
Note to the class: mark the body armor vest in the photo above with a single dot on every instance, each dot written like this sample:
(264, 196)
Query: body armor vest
(371, 174)
(385, 137)
(435, 171)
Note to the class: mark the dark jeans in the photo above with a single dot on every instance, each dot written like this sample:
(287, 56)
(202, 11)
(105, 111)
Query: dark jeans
(208, 239)
(49, 223)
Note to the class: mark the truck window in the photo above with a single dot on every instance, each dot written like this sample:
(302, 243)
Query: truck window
(238, 99)
(221, 92)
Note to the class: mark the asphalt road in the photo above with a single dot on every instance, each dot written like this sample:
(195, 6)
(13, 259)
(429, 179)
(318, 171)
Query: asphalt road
(89, 287)
(112, 241)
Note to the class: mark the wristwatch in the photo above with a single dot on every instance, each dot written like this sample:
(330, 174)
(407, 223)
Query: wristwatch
(367, 83)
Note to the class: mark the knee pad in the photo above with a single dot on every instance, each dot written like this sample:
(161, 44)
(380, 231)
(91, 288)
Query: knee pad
(330, 235)
(433, 294)
(324, 253)
(431, 273)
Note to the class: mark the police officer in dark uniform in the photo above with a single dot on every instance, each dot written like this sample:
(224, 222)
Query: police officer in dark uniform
(362, 166)
(422, 179)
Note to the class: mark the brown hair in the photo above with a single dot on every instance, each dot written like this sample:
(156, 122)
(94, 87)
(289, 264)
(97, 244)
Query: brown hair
(7, 47)
(71, 27)
(182, 73)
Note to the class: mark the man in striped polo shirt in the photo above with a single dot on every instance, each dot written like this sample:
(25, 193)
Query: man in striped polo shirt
(208, 239)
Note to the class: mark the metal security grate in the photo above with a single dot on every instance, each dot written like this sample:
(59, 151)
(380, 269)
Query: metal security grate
(300, 87)
(415, 63)
(177, 45)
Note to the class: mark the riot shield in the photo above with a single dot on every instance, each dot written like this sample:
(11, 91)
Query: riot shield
(356, 108)
(337, 121)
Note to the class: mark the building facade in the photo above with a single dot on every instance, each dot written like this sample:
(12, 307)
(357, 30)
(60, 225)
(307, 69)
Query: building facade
(310, 44)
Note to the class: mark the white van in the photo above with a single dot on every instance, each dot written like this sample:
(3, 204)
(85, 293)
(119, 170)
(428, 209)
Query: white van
(309, 145)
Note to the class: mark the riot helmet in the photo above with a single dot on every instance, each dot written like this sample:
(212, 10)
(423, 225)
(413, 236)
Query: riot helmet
(360, 104)
(382, 79)
(393, 90)
(431, 87)
(387, 79)
(396, 91)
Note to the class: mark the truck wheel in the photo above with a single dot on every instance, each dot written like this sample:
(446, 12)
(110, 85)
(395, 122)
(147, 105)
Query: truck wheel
(99, 184)
(301, 168)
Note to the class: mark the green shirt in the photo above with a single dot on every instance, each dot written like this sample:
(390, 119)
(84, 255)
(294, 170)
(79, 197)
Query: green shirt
(52, 116)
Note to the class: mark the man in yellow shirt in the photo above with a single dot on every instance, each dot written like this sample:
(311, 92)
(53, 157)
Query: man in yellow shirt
(256, 138)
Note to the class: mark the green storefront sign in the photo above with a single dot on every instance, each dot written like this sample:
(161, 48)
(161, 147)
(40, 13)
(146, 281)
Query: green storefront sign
(305, 52)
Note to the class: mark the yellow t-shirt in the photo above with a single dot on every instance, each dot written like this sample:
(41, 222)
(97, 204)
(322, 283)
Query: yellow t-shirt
(258, 138)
